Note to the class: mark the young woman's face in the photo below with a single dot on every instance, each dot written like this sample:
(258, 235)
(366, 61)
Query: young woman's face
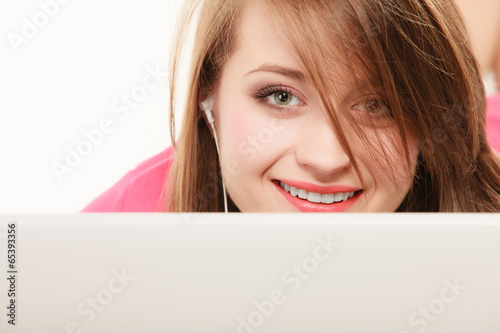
(279, 151)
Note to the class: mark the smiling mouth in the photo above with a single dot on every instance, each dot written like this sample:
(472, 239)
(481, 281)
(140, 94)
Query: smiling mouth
(325, 198)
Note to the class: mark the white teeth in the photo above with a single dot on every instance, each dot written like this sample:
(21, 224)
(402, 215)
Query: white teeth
(302, 194)
(314, 197)
(317, 197)
(327, 198)
(285, 186)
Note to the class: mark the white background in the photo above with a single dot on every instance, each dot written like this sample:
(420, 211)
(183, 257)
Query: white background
(63, 80)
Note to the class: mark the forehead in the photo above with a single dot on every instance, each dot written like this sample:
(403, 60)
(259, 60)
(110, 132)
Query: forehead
(260, 40)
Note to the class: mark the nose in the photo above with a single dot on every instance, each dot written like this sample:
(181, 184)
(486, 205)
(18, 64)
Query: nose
(320, 151)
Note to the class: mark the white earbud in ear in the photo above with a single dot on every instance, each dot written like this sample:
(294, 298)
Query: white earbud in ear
(207, 106)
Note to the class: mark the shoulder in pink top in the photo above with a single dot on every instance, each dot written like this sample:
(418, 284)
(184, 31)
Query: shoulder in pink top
(493, 122)
(140, 189)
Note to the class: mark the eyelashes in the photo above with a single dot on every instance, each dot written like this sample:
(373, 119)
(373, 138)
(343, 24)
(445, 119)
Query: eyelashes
(279, 97)
(373, 107)
(284, 100)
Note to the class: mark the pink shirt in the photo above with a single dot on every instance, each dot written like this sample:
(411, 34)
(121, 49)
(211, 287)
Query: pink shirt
(140, 189)
(493, 122)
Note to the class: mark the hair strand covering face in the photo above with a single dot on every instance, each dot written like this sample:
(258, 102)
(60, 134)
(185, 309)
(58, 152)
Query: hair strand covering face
(414, 54)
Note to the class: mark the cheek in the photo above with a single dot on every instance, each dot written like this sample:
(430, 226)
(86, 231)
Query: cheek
(238, 128)
(238, 154)
(386, 170)
(250, 137)
(244, 158)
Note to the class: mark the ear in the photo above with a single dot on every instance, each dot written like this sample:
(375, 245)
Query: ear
(207, 106)
(204, 94)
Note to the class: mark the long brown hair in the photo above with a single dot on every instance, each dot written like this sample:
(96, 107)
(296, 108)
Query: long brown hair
(414, 54)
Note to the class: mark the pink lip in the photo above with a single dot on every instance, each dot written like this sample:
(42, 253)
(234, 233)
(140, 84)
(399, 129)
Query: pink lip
(311, 207)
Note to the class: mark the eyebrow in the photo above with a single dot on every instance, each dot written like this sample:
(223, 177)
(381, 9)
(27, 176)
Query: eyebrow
(294, 74)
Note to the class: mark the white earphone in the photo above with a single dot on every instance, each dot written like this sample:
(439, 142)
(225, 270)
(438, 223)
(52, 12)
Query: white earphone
(207, 106)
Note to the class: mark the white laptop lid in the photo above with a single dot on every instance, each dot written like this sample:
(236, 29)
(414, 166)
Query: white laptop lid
(248, 273)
